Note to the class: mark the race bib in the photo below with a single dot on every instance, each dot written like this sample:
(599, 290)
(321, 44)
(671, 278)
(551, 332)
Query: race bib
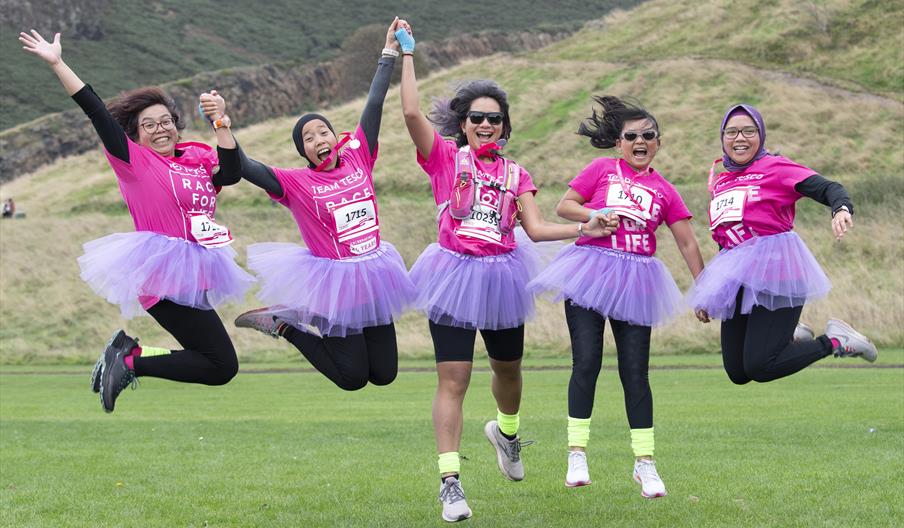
(727, 207)
(355, 219)
(621, 204)
(207, 232)
(483, 224)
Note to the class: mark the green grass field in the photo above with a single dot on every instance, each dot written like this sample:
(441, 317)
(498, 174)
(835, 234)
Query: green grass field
(821, 448)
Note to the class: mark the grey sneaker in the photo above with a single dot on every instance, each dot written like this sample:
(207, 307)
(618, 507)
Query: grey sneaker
(115, 375)
(262, 320)
(851, 342)
(804, 333)
(508, 452)
(455, 507)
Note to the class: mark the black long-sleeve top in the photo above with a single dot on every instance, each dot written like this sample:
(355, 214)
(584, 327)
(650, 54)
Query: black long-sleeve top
(234, 164)
(826, 192)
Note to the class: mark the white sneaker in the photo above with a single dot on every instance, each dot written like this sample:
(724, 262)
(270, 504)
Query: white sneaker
(578, 473)
(455, 507)
(804, 333)
(262, 320)
(852, 342)
(645, 474)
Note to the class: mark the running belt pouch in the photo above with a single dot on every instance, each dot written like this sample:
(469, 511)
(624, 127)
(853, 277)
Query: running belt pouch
(461, 199)
(509, 206)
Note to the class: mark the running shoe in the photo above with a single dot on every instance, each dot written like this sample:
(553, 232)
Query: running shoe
(508, 452)
(95, 373)
(578, 473)
(262, 320)
(646, 475)
(455, 507)
(851, 343)
(115, 375)
(804, 333)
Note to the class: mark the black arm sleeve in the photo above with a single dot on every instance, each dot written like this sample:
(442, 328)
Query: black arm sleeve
(825, 192)
(373, 109)
(235, 164)
(111, 134)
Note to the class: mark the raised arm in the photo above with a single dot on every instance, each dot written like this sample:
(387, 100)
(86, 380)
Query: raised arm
(373, 109)
(110, 132)
(419, 128)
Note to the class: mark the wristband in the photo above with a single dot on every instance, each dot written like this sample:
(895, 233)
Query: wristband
(389, 52)
(597, 212)
(581, 229)
(223, 122)
(842, 208)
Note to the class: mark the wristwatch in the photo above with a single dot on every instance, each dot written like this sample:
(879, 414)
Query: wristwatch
(223, 122)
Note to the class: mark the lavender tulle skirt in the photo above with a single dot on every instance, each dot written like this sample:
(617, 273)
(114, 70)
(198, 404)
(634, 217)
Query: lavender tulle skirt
(338, 297)
(623, 286)
(776, 271)
(467, 291)
(124, 267)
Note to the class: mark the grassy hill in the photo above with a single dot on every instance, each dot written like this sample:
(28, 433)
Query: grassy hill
(852, 136)
(129, 43)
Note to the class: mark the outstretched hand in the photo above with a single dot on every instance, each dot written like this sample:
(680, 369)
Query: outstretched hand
(841, 223)
(213, 105)
(50, 52)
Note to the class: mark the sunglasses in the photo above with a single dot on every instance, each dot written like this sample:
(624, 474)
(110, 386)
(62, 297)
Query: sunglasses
(495, 118)
(648, 135)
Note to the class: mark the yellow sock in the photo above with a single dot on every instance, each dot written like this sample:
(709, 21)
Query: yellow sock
(642, 442)
(449, 462)
(578, 432)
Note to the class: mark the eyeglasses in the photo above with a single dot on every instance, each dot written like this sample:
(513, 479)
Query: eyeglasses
(648, 135)
(167, 123)
(495, 118)
(747, 132)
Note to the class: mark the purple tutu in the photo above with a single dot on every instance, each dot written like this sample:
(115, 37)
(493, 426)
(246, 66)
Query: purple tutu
(623, 286)
(338, 297)
(125, 266)
(488, 293)
(776, 271)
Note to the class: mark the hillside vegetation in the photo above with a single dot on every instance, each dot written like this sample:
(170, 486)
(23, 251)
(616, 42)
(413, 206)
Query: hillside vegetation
(849, 136)
(124, 44)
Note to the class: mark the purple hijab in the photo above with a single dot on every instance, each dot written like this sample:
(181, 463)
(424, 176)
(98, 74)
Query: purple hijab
(761, 128)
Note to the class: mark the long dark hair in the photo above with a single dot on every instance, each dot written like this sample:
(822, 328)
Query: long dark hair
(126, 108)
(448, 115)
(605, 128)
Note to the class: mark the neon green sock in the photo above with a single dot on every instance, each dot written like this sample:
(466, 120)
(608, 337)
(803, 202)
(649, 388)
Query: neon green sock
(642, 442)
(508, 423)
(578, 432)
(449, 462)
(148, 351)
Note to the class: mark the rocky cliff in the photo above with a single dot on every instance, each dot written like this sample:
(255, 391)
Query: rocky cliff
(266, 92)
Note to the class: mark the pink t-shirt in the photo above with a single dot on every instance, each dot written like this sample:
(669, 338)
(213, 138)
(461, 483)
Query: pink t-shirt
(762, 195)
(600, 187)
(453, 233)
(336, 210)
(162, 192)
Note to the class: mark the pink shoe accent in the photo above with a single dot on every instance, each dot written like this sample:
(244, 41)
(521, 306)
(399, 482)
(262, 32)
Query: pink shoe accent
(136, 351)
(836, 344)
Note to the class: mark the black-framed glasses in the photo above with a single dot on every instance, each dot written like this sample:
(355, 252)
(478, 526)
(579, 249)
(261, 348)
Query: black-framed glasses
(747, 132)
(167, 123)
(476, 118)
(648, 135)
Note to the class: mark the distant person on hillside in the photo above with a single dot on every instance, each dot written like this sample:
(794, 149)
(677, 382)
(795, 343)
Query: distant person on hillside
(175, 265)
(335, 300)
(618, 278)
(475, 277)
(758, 283)
(9, 208)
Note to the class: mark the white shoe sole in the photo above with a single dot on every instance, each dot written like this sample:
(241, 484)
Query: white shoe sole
(578, 484)
(459, 518)
(644, 495)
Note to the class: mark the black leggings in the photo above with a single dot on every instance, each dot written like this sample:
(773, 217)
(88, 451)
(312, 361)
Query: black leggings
(759, 346)
(351, 361)
(208, 356)
(452, 343)
(632, 344)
